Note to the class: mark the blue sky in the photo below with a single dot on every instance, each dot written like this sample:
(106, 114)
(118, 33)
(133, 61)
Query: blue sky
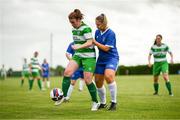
(25, 27)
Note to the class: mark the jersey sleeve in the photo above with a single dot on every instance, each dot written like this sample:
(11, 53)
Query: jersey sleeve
(151, 51)
(87, 33)
(168, 49)
(111, 40)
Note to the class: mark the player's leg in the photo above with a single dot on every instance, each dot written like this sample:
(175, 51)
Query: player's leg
(165, 68)
(80, 76)
(31, 81)
(88, 68)
(22, 80)
(99, 80)
(156, 73)
(71, 87)
(70, 69)
(156, 85)
(110, 79)
(43, 83)
(39, 81)
(48, 82)
(81, 84)
(109, 73)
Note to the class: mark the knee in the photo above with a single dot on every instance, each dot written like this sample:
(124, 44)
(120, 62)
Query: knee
(165, 77)
(73, 82)
(68, 72)
(99, 84)
(109, 77)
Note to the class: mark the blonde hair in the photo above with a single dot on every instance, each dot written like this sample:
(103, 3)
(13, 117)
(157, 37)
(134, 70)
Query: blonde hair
(103, 19)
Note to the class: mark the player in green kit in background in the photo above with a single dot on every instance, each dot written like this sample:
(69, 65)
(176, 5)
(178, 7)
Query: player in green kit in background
(25, 72)
(159, 51)
(35, 69)
(84, 57)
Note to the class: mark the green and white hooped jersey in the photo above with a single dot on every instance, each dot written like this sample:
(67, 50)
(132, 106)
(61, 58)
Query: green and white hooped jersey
(159, 52)
(25, 67)
(35, 65)
(80, 36)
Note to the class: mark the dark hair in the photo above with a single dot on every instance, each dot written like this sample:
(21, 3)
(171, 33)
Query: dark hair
(76, 14)
(158, 35)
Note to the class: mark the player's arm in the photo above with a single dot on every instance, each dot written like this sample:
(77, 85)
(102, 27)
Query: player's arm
(172, 58)
(171, 54)
(101, 46)
(149, 60)
(85, 45)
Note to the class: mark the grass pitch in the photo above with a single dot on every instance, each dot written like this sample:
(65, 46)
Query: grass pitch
(135, 101)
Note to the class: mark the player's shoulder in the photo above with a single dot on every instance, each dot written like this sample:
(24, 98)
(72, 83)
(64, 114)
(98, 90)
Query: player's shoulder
(165, 45)
(110, 31)
(84, 27)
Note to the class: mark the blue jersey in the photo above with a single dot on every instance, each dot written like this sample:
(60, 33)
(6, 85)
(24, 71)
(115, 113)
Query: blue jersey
(45, 67)
(107, 38)
(70, 50)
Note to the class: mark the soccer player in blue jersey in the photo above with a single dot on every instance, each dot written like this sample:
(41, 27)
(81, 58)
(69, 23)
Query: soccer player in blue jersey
(107, 62)
(45, 74)
(78, 74)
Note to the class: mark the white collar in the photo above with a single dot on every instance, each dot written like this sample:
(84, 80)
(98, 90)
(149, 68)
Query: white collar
(104, 31)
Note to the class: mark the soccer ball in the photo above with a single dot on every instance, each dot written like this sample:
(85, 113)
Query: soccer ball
(56, 94)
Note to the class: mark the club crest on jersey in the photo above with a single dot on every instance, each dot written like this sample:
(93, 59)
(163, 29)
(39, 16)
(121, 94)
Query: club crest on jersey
(78, 32)
(103, 39)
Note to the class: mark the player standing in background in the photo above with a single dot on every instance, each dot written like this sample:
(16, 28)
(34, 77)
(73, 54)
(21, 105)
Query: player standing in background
(77, 75)
(3, 72)
(35, 68)
(159, 51)
(107, 61)
(84, 57)
(45, 74)
(25, 72)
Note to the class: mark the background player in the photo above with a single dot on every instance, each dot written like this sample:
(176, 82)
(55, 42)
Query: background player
(159, 51)
(45, 74)
(35, 68)
(25, 72)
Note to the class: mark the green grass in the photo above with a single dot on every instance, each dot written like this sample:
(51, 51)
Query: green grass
(135, 101)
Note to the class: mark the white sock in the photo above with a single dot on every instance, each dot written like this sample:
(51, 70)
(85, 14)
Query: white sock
(43, 84)
(102, 94)
(48, 84)
(113, 91)
(81, 84)
(71, 87)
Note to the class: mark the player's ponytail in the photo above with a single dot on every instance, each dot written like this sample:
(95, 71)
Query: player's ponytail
(103, 19)
(158, 35)
(76, 14)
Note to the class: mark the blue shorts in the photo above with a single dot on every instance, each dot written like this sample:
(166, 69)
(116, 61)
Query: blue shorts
(45, 75)
(108, 64)
(78, 74)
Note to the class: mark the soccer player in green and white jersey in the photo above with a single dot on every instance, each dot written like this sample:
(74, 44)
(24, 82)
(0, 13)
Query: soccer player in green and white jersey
(159, 51)
(25, 72)
(35, 70)
(84, 57)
